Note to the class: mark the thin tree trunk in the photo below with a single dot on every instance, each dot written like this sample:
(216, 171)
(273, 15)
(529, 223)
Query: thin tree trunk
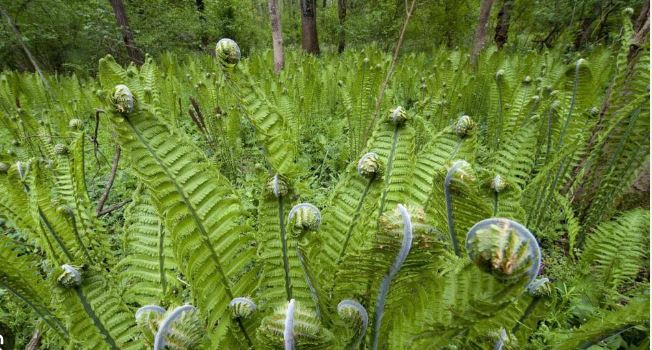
(341, 16)
(202, 23)
(643, 16)
(28, 53)
(502, 25)
(481, 30)
(127, 35)
(309, 40)
(277, 36)
(642, 29)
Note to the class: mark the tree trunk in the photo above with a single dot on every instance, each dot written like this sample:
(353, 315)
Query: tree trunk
(341, 15)
(643, 16)
(127, 35)
(481, 30)
(277, 36)
(502, 25)
(199, 4)
(309, 41)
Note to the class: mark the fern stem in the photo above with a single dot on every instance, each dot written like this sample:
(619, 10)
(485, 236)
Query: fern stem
(495, 203)
(307, 273)
(572, 105)
(79, 240)
(396, 266)
(47, 224)
(96, 321)
(530, 308)
(354, 221)
(205, 237)
(44, 314)
(284, 247)
(553, 186)
(390, 162)
(548, 136)
(161, 256)
(449, 204)
(499, 125)
(288, 332)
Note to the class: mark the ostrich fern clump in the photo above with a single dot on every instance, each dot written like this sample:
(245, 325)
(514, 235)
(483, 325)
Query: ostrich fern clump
(479, 215)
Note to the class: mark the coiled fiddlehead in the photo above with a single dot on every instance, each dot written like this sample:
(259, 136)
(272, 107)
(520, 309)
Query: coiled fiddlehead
(122, 99)
(277, 186)
(305, 217)
(70, 276)
(462, 169)
(180, 329)
(356, 315)
(505, 249)
(464, 126)
(242, 307)
(387, 280)
(293, 327)
(398, 116)
(370, 166)
(148, 318)
(227, 52)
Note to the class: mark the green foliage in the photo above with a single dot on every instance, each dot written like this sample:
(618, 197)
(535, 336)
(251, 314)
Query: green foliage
(221, 163)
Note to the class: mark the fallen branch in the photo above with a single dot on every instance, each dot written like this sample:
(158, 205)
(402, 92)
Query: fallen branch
(34, 341)
(114, 207)
(109, 184)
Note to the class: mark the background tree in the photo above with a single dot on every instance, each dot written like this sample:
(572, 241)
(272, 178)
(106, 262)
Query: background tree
(128, 37)
(502, 25)
(481, 29)
(341, 16)
(309, 40)
(277, 36)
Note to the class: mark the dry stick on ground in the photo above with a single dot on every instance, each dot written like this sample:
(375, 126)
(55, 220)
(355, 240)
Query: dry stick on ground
(381, 94)
(114, 207)
(109, 184)
(34, 341)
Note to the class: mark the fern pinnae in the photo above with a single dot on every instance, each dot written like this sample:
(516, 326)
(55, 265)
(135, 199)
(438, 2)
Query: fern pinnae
(387, 280)
(288, 331)
(284, 244)
(458, 165)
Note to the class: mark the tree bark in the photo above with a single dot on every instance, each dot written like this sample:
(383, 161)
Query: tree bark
(34, 341)
(502, 25)
(277, 36)
(127, 36)
(341, 16)
(481, 30)
(309, 40)
(643, 16)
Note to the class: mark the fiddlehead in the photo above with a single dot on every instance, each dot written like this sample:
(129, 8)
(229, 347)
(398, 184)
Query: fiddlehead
(70, 276)
(227, 52)
(122, 99)
(356, 316)
(293, 327)
(387, 280)
(505, 249)
(242, 307)
(305, 217)
(179, 329)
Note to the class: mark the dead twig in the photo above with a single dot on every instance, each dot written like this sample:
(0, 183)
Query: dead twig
(114, 207)
(34, 341)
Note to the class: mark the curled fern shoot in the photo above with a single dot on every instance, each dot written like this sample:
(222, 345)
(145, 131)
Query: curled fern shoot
(505, 249)
(288, 332)
(147, 309)
(123, 99)
(227, 52)
(463, 167)
(305, 217)
(387, 280)
(166, 324)
(356, 315)
(242, 307)
(70, 277)
(370, 165)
